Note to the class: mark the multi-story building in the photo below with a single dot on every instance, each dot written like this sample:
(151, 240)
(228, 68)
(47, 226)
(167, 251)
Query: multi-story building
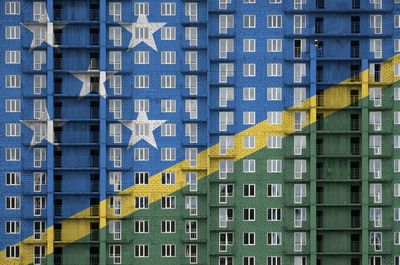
(200, 132)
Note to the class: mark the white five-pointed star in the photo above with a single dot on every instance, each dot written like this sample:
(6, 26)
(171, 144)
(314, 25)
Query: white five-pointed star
(143, 27)
(85, 79)
(44, 24)
(142, 128)
(44, 128)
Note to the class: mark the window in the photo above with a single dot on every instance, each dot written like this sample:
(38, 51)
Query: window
(191, 11)
(12, 32)
(191, 35)
(168, 250)
(116, 156)
(141, 81)
(114, 59)
(13, 57)
(274, 238)
(274, 93)
(115, 132)
(168, 178)
(397, 214)
(375, 46)
(274, 190)
(249, 21)
(13, 129)
(249, 93)
(249, 260)
(114, 10)
(249, 45)
(191, 156)
(115, 253)
(274, 21)
(249, 141)
(249, 190)
(225, 215)
(167, 57)
(396, 240)
(191, 180)
(168, 9)
(274, 166)
(249, 165)
(299, 143)
(168, 129)
(274, 214)
(249, 238)
(168, 202)
(226, 94)
(116, 108)
(39, 83)
(225, 119)
(249, 117)
(191, 132)
(191, 107)
(397, 21)
(142, 202)
(274, 45)
(274, 142)
(39, 58)
(249, 69)
(13, 81)
(168, 33)
(225, 167)
(225, 70)
(13, 178)
(12, 252)
(300, 240)
(39, 203)
(141, 154)
(225, 191)
(275, 260)
(115, 204)
(299, 23)
(191, 205)
(191, 59)
(141, 251)
(396, 141)
(225, 22)
(168, 154)
(274, 69)
(191, 83)
(13, 203)
(225, 241)
(13, 154)
(141, 9)
(300, 192)
(300, 168)
(225, 46)
(13, 227)
(249, 214)
(141, 178)
(39, 181)
(168, 81)
(376, 240)
(115, 179)
(142, 226)
(142, 105)
(12, 8)
(39, 228)
(299, 72)
(275, 1)
(376, 23)
(13, 105)
(300, 216)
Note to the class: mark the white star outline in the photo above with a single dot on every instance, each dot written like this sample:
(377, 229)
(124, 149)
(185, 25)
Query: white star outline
(49, 124)
(85, 79)
(142, 119)
(44, 22)
(142, 22)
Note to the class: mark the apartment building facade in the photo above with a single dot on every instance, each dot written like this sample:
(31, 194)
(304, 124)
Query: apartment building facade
(200, 132)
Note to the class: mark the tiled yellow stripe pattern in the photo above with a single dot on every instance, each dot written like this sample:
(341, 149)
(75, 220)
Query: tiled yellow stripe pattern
(336, 98)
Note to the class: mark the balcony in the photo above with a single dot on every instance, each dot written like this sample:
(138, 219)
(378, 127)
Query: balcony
(57, 13)
(57, 38)
(94, 210)
(57, 186)
(355, 52)
(355, 27)
(58, 259)
(76, 138)
(94, 87)
(58, 63)
(93, 113)
(94, 64)
(355, 222)
(57, 87)
(355, 149)
(94, 161)
(94, 39)
(354, 124)
(94, 186)
(58, 235)
(355, 246)
(94, 235)
(94, 14)
(354, 173)
(94, 259)
(320, 246)
(354, 197)
(57, 210)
